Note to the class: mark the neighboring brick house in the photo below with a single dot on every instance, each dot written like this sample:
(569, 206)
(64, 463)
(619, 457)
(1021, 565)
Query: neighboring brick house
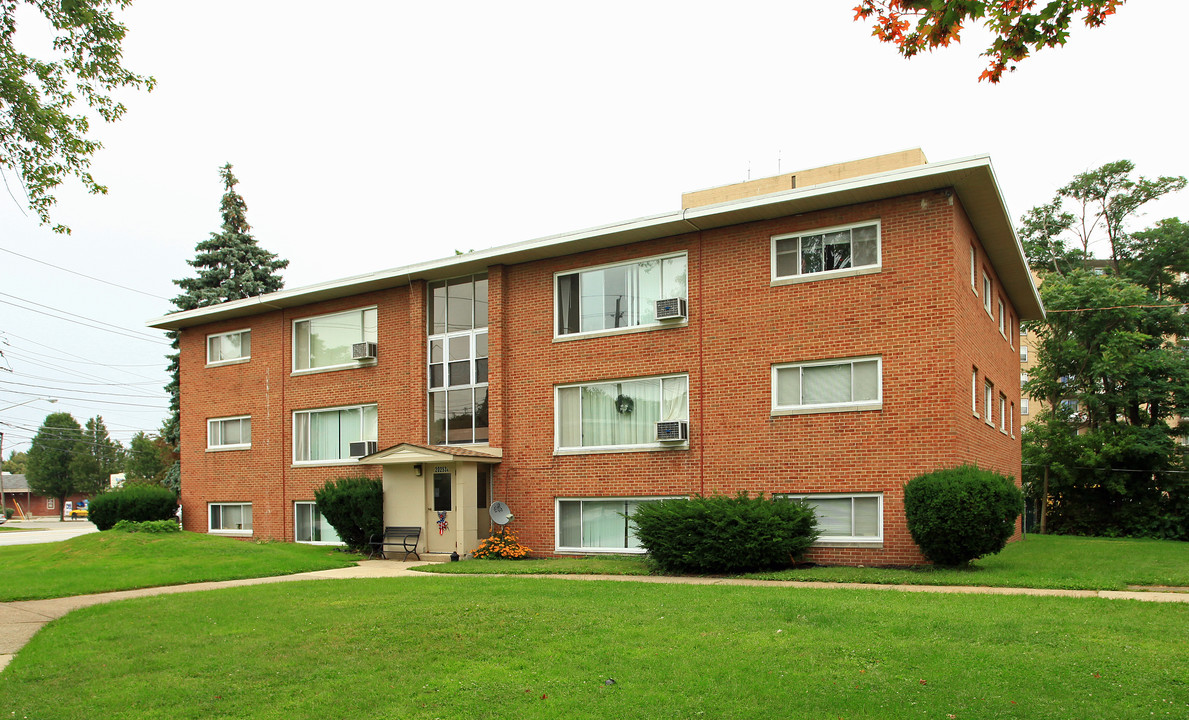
(20, 499)
(849, 329)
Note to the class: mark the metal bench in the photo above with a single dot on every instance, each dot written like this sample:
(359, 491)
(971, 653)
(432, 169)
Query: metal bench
(403, 537)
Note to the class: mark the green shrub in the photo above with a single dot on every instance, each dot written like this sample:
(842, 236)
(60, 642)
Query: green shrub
(961, 514)
(136, 503)
(148, 526)
(354, 506)
(8, 513)
(720, 534)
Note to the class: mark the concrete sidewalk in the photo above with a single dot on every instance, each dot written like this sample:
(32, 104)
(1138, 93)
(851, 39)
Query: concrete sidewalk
(20, 620)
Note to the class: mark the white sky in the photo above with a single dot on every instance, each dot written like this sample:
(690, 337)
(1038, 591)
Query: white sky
(376, 134)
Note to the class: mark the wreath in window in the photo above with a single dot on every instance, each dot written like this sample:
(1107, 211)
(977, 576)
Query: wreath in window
(624, 405)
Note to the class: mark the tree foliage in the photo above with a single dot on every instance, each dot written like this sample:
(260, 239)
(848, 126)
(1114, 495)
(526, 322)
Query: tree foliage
(960, 514)
(1102, 453)
(230, 266)
(16, 462)
(43, 133)
(1019, 26)
(96, 458)
(148, 458)
(50, 457)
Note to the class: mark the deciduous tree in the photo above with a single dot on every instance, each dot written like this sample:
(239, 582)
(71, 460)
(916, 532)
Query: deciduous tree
(96, 457)
(1020, 26)
(50, 457)
(43, 133)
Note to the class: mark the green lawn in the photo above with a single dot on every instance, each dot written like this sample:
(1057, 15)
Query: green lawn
(105, 561)
(1042, 561)
(439, 647)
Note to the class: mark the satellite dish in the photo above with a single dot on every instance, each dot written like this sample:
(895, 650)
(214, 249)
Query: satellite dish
(501, 514)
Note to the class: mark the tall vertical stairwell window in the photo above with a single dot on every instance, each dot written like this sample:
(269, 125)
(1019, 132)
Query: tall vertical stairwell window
(623, 295)
(456, 361)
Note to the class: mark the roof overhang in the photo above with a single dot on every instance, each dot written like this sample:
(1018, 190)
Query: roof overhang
(411, 453)
(973, 179)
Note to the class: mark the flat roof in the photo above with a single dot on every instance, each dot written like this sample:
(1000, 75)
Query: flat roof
(972, 178)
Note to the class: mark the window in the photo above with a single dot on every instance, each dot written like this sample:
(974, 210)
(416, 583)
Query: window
(837, 385)
(325, 341)
(973, 281)
(598, 525)
(617, 296)
(326, 435)
(1002, 412)
(230, 518)
(1023, 378)
(618, 414)
(832, 250)
(1002, 319)
(233, 433)
(986, 292)
(50, 503)
(1023, 353)
(457, 361)
(1023, 406)
(846, 518)
(974, 391)
(1011, 420)
(228, 347)
(1023, 330)
(310, 526)
(988, 398)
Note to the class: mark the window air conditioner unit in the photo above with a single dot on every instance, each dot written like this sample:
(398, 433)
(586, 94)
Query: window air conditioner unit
(359, 449)
(363, 351)
(672, 431)
(671, 309)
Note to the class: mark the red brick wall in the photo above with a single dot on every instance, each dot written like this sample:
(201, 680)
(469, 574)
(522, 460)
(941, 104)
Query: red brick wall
(918, 314)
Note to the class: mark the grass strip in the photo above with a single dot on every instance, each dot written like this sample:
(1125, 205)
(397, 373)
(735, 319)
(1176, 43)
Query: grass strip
(549, 648)
(107, 561)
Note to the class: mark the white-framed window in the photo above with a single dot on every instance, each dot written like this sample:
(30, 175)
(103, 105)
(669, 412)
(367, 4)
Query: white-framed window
(973, 274)
(988, 398)
(230, 518)
(974, 391)
(1011, 420)
(229, 347)
(325, 341)
(1002, 318)
(618, 414)
(616, 296)
(456, 360)
(987, 293)
(1002, 412)
(310, 526)
(826, 252)
(51, 503)
(852, 384)
(846, 517)
(325, 435)
(594, 525)
(1023, 353)
(1023, 406)
(1023, 330)
(229, 433)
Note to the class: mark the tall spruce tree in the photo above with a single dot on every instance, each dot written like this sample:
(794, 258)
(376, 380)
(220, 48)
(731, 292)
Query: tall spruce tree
(96, 458)
(230, 266)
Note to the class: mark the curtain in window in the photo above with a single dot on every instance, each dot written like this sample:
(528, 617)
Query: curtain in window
(324, 436)
(833, 516)
(866, 510)
(603, 524)
(826, 384)
(620, 413)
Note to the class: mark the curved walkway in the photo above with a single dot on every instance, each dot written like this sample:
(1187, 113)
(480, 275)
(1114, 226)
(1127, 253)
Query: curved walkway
(20, 620)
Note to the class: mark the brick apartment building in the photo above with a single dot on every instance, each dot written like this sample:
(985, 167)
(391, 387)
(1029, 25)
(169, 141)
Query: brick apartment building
(826, 334)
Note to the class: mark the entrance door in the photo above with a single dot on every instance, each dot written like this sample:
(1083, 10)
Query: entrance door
(439, 525)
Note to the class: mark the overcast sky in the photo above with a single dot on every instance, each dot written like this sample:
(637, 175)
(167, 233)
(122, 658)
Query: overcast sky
(372, 135)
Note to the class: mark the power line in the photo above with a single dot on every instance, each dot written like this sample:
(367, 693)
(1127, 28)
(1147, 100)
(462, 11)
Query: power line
(45, 364)
(78, 399)
(89, 392)
(89, 277)
(1116, 307)
(117, 331)
(114, 366)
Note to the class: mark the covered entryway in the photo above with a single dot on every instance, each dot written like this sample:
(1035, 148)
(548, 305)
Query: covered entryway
(441, 489)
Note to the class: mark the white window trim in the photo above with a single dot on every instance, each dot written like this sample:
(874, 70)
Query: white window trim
(231, 533)
(328, 368)
(853, 406)
(295, 519)
(559, 449)
(973, 271)
(1002, 413)
(558, 547)
(827, 274)
(988, 400)
(974, 391)
(654, 325)
(1023, 353)
(221, 448)
(987, 294)
(1002, 319)
(1024, 405)
(233, 361)
(836, 539)
(341, 461)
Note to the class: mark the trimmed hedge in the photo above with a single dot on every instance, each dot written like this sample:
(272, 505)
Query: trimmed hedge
(137, 503)
(961, 514)
(148, 526)
(720, 534)
(354, 506)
